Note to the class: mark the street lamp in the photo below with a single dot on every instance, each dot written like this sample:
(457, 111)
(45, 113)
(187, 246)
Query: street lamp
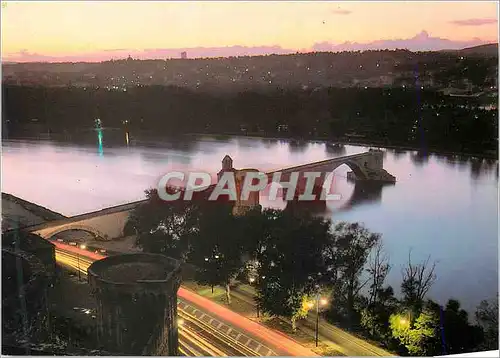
(406, 319)
(322, 302)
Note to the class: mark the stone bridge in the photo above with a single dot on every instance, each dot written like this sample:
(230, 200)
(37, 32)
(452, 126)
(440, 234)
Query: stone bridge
(364, 166)
(368, 166)
(109, 223)
(104, 225)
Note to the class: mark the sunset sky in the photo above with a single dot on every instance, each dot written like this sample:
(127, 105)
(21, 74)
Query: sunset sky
(82, 28)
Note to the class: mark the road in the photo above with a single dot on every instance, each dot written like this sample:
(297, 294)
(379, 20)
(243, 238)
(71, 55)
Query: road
(348, 343)
(207, 328)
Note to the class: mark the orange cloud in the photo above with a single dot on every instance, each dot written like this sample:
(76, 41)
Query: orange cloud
(474, 22)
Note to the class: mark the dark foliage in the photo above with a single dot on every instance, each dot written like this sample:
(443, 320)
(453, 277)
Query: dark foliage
(397, 116)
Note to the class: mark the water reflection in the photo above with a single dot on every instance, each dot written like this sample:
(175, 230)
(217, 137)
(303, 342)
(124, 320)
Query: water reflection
(297, 146)
(462, 160)
(419, 158)
(475, 168)
(335, 149)
(166, 158)
(490, 163)
(365, 192)
(452, 160)
(100, 149)
(181, 145)
(184, 144)
(397, 153)
(246, 143)
(269, 143)
(223, 138)
(483, 167)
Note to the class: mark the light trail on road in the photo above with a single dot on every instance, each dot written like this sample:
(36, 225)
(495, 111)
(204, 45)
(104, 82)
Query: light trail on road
(192, 344)
(78, 259)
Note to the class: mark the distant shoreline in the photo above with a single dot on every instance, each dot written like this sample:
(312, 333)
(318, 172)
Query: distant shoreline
(356, 143)
(256, 136)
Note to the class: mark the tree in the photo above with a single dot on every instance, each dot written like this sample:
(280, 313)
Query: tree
(417, 280)
(338, 127)
(381, 302)
(217, 249)
(460, 335)
(164, 227)
(276, 300)
(375, 317)
(290, 261)
(349, 247)
(254, 230)
(378, 268)
(487, 318)
(420, 338)
(436, 330)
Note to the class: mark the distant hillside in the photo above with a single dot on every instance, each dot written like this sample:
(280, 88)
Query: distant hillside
(374, 68)
(489, 49)
(482, 50)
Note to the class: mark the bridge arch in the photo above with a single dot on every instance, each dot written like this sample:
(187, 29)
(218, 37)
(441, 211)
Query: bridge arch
(357, 168)
(98, 235)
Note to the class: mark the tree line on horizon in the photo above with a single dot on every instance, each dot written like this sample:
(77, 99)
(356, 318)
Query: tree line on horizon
(398, 116)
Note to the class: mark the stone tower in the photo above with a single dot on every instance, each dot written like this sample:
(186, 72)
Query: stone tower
(240, 206)
(136, 303)
(227, 166)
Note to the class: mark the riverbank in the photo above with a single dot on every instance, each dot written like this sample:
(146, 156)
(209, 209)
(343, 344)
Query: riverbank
(357, 142)
(260, 136)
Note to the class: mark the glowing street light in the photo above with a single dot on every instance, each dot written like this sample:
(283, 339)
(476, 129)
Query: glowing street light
(320, 301)
(180, 321)
(251, 279)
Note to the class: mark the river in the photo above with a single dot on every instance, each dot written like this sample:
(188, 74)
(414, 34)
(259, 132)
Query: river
(441, 206)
